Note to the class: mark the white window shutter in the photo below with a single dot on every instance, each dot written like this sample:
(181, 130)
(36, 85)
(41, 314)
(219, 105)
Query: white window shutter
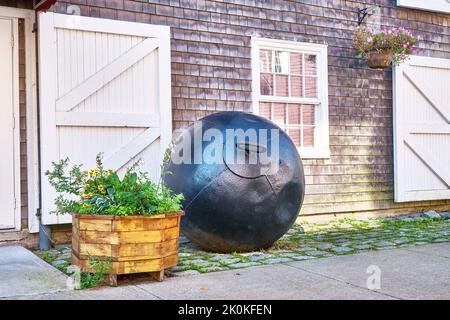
(104, 87)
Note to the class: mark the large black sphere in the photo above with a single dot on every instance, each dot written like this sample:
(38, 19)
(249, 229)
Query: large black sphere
(238, 207)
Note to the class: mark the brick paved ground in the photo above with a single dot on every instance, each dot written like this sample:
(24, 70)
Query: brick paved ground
(306, 241)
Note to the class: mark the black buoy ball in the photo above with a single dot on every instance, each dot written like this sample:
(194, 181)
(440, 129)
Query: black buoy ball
(234, 206)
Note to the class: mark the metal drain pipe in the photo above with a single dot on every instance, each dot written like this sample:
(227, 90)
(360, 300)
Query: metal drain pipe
(45, 232)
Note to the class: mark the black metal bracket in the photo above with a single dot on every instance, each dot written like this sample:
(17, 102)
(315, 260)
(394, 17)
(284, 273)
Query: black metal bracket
(362, 13)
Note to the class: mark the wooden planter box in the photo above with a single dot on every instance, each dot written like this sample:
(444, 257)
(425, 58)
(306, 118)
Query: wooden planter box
(133, 244)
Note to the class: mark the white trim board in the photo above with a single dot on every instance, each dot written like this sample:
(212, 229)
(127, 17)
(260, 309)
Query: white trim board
(429, 5)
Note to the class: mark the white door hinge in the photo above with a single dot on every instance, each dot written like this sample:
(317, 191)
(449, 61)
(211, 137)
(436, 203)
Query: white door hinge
(12, 41)
(14, 121)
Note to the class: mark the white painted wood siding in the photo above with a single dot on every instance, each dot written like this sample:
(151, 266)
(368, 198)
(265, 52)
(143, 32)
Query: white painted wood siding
(105, 87)
(422, 129)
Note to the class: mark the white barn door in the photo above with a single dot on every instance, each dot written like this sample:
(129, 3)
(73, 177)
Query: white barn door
(104, 87)
(422, 129)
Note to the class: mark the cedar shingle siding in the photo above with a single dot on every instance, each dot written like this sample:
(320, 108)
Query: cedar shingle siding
(211, 71)
(23, 4)
(23, 127)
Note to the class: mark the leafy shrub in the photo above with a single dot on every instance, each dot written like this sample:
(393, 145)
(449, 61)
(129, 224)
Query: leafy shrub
(97, 277)
(102, 192)
(398, 40)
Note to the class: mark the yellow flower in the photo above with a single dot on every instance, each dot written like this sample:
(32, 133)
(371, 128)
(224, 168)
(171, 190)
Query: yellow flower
(101, 188)
(85, 205)
(89, 195)
(93, 173)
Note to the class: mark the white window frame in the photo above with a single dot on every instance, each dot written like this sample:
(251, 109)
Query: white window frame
(433, 5)
(321, 149)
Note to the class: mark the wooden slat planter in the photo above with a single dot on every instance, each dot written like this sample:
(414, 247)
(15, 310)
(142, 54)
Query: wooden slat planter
(134, 244)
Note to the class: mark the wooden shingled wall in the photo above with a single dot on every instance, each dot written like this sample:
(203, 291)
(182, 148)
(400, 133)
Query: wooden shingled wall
(211, 71)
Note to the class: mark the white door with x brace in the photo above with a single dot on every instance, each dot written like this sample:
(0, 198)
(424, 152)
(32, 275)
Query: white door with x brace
(422, 129)
(104, 87)
(9, 161)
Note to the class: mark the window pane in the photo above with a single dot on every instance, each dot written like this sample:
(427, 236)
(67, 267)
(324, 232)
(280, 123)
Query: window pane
(265, 60)
(264, 110)
(296, 63)
(289, 76)
(310, 64)
(308, 114)
(279, 113)
(296, 86)
(296, 137)
(310, 87)
(294, 114)
(282, 85)
(266, 84)
(308, 136)
(281, 62)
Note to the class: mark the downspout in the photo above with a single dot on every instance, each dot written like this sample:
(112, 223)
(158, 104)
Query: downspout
(45, 231)
(45, 234)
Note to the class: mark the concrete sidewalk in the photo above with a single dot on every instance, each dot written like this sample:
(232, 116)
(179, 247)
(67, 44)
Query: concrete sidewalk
(420, 272)
(24, 274)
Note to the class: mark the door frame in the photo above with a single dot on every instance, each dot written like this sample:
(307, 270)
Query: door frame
(28, 16)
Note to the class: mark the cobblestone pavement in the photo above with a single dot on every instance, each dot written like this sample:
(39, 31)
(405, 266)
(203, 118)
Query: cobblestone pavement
(305, 241)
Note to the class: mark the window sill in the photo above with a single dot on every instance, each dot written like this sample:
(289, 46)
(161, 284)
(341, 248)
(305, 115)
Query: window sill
(314, 154)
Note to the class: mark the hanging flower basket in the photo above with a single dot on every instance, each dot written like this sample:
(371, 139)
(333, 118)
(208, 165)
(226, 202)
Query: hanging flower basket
(382, 47)
(379, 60)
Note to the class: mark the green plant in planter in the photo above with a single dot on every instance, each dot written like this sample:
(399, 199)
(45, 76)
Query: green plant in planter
(397, 43)
(97, 277)
(102, 192)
